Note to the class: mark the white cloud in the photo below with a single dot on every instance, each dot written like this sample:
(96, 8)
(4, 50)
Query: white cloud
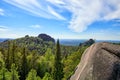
(1, 12)
(54, 13)
(3, 28)
(36, 26)
(37, 7)
(84, 12)
(56, 1)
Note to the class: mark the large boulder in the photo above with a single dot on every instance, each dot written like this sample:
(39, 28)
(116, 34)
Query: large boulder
(101, 61)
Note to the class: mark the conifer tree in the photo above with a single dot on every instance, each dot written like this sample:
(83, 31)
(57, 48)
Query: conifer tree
(34, 59)
(47, 76)
(58, 66)
(32, 75)
(4, 74)
(13, 52)
(3, 53)
(24, 66)
(8, 57)
(14, 73)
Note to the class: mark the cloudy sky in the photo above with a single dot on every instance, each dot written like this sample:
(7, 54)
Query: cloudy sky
(66, 19)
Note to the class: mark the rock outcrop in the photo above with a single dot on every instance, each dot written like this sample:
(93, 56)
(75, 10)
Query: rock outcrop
(46, 37)
(101, 61)
(87, 43)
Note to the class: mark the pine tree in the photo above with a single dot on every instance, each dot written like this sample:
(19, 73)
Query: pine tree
(4, 74)
(2, 68)
(47, 76)
(32, 75)
(8, 57)
(24, 66)
(3, 53)
(14, 73)
(34, 59)
(13, 52)
(58, 66)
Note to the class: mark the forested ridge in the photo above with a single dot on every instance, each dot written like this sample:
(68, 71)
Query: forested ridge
(32, 58)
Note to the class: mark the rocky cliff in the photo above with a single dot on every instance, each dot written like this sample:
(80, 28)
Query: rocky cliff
(101, 61)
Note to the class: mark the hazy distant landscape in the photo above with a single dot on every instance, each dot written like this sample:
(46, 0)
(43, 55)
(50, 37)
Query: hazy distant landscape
(74, 42)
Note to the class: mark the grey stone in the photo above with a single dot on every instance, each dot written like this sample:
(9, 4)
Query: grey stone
(101, 61)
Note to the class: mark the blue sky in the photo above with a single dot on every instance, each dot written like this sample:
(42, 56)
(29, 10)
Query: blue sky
(64, 19)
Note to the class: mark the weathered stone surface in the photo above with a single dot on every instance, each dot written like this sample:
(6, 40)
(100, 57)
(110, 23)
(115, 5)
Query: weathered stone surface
(101, 61)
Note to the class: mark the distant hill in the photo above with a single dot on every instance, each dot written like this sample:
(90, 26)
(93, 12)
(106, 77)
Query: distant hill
(3, 39)
(78, 42)
(32, 43)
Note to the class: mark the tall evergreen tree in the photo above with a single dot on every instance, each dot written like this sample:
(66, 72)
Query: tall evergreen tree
(24, 66)
(4, 74)
(14, 73)
(13, 52)
(47, 76)
(58, 66)
(7, 62)
(34, 59)
(32, 75)
(3, 53)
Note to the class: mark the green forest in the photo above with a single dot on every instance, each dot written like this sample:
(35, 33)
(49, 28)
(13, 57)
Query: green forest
(32, 58)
